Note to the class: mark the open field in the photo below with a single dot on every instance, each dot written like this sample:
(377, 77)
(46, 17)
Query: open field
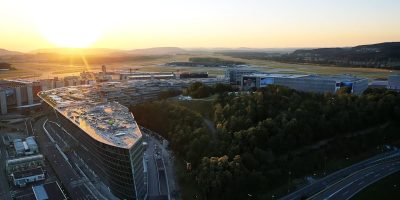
(40, 70)
(278, 67)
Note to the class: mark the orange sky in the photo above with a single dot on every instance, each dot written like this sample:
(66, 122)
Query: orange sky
(130, 24)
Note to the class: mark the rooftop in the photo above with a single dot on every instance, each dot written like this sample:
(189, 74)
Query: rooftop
(265, 75)
(28, 173)
(107, 122)
(341, 77)
(94, 110)
(337, 78)
(48, 191)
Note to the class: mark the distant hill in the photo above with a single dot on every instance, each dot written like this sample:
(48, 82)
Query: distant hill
(374, 55)
(158, 51)
(74, 51)
(96, 55)
(382, 55)
(4, 52)
(111, 52)
(244, 50)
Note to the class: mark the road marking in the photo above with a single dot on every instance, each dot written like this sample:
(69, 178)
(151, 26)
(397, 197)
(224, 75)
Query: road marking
(368, 174)
(26, 126)
(339, 190)
(377, 175)
(362, 182)
(33, 131)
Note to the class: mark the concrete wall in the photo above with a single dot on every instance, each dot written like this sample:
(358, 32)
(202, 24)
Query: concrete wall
(3, 102)
(360, 86)
(394, 82)
(317, 85)
(18, 96)
(30, 94)
(307, 85)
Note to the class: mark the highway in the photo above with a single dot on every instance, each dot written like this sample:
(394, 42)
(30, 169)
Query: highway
(351, 185)
(341, 176)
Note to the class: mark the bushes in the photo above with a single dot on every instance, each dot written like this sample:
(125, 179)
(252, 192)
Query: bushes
(183, 128)
(200, 90)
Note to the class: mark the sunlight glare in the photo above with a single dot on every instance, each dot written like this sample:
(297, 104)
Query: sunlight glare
(73, 24)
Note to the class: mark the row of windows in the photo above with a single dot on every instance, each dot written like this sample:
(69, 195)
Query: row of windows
(115, 163)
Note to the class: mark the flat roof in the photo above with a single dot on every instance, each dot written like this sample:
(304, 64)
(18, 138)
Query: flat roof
(107, 122)
(48, 191)
(265, 75)
(28, 173)
(337, 78)
(93, 108)
(24, 159)
(150, 75)
(379, 83)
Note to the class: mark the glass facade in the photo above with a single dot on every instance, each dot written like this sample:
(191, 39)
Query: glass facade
(119, 168)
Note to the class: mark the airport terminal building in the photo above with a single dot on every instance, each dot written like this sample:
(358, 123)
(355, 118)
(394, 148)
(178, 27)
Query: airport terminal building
(104, 134)
(394, 82)
(306, 83)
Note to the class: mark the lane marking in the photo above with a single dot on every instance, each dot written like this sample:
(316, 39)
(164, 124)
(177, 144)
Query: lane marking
(339, 190)
(368, 174)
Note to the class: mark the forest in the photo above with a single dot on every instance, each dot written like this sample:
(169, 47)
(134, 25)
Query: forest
(6, 66)
(270, 137)
(383, 55)
(200, 90)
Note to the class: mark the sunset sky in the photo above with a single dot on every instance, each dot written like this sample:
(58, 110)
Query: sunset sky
(129, 24)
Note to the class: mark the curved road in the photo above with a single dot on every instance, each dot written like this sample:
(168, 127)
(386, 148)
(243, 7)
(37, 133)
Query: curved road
(351, 185)
(331, 185)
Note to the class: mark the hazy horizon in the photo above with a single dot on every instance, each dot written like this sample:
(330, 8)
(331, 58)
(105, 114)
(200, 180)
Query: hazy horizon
(123, 24)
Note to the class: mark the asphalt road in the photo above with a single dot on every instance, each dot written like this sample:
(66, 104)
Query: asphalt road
(331, 179)
(163, 183)
(29, 127)
(351, 185)
(160, 184)
(151, 169)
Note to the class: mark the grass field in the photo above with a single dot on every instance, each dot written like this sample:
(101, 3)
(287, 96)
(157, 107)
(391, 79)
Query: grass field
(37, 70)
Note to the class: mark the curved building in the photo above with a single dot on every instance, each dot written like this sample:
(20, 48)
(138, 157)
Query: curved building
(104, 134)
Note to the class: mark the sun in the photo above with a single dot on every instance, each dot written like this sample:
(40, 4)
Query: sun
(65, 32)
(71, 24)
